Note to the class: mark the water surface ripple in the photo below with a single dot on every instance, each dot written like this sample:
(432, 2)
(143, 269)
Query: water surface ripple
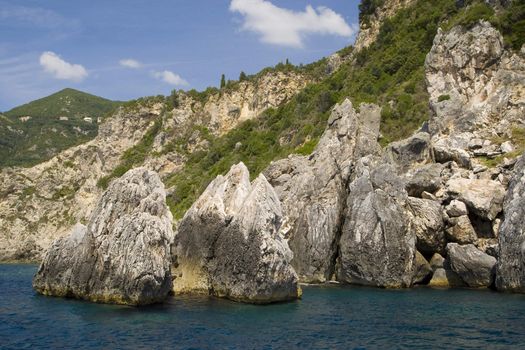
(326, 318)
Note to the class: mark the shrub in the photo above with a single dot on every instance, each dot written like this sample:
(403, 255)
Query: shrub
(442, 98)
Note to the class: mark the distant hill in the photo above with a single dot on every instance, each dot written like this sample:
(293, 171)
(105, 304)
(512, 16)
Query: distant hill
(36, 131)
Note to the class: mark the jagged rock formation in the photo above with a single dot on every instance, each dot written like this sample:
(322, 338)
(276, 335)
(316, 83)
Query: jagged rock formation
(42, 203)
(228, 243)
(123, 254)
(313, 189)
(511, 263)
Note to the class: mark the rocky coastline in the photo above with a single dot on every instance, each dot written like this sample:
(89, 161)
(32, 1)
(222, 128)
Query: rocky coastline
(443, 208)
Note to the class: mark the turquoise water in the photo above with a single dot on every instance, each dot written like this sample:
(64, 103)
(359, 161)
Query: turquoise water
(326, 318)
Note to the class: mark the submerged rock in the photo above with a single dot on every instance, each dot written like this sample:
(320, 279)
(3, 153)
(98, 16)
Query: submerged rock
(511, 263)
(228, 243)
(472, 265)
(123, 255)
(445, 278)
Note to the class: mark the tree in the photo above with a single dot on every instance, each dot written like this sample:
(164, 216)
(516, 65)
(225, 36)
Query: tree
(242, 76)
(223, 81)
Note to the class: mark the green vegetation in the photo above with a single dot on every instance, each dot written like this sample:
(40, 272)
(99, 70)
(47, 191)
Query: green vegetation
(390, 73)
(367, 8)
(223, 81)
(28, 141)
(65, 103)
(443, 98)
(509, 20)
(518, 141)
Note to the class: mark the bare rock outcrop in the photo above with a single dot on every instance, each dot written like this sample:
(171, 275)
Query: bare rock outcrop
(228, 243)
(123, 255)
(511, 263)
(313, 189)
(378, 244)
(477, 91)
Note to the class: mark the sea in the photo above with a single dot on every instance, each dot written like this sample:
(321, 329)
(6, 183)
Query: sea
(327, 317)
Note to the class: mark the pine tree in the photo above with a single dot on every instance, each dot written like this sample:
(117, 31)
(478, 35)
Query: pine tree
(223, 81)
(242, 76)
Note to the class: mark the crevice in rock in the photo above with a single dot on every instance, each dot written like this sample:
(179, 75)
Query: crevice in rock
(336, 244)
(482, 227)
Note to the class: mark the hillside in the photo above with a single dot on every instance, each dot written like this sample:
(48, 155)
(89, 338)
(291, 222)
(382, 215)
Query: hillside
(390, 72)
(38, 130)
(191, 137)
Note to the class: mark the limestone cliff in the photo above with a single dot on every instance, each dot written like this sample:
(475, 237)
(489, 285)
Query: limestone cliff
(41, 203)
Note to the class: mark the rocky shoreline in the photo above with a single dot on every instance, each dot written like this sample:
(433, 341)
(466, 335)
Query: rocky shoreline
(442, 208)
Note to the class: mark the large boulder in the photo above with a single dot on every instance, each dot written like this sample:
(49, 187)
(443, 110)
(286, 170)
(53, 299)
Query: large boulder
(472, 265)
(313, 189)
(428, 225)
(461, 231)
(511, 263)
(228, 243)
(425, 179)
(409, 152)
(482, 197)
(377, 245)
(123, 255)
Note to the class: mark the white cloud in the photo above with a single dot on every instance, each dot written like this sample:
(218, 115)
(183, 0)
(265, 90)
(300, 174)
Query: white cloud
(61, 69)
(285, 27)
(170, 78)
(130, 63)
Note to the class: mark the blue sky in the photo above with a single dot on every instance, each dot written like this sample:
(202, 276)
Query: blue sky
(124, 49)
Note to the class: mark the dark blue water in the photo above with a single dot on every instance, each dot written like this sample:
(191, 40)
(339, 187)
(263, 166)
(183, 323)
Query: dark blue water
(327, 317)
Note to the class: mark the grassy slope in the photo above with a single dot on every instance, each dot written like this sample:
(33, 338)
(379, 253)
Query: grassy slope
(44, 135)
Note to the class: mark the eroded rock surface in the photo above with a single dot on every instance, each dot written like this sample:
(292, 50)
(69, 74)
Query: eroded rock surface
(511, 263)
(313, 189)
(228, 244)
(123, 254)
(377, 245)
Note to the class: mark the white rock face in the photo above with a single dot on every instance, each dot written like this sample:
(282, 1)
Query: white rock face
(477, 91)
(228, 243)
(378, 244)
(123, 255)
